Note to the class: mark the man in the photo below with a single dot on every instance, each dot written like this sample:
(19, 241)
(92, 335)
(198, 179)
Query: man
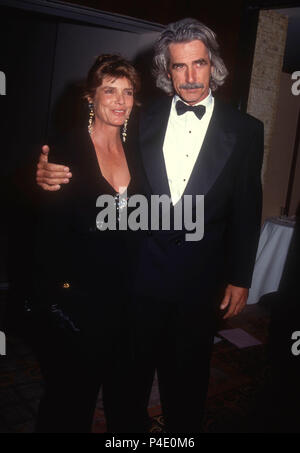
(191, 144)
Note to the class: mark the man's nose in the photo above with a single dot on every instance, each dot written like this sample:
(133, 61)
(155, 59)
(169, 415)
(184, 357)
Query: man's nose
(190, 75)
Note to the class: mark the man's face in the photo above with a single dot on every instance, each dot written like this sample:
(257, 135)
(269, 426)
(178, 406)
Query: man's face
(190, 70)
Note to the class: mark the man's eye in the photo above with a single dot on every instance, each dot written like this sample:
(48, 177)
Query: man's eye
(108, 90)
(178, 66)
(129, 93)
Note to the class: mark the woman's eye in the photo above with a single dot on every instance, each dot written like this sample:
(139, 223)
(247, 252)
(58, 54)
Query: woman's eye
(129, 93)
(108, 91)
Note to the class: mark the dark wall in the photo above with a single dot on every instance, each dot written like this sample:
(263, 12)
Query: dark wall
(222, 17)
(27, 52)
(166, 11)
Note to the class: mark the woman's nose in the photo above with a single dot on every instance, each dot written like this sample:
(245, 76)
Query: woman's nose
(120, 98)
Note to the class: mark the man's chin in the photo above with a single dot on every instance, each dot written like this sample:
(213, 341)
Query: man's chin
(192, 97)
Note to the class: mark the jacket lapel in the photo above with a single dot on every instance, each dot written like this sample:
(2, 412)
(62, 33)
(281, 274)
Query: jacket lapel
(216, 148)
(153, 126)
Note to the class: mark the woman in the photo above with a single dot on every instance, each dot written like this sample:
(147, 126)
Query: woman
(81, 303)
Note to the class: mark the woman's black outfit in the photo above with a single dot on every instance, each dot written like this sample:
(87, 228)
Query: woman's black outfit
(82, 277)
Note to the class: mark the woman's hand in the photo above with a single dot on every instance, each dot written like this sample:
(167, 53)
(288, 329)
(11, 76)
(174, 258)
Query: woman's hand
(51, 176)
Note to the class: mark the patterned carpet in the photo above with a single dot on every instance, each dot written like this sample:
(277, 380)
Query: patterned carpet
(237, 379)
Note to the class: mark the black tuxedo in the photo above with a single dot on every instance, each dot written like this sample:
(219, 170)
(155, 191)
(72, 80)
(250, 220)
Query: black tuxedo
(179, 283)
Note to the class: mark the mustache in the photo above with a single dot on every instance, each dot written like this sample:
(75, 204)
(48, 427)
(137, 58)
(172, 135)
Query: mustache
(191, 86)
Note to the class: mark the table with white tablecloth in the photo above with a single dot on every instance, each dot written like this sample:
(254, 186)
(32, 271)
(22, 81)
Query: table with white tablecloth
(271, 256)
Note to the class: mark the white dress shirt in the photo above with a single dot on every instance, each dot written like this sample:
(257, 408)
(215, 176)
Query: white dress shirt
(183, 141)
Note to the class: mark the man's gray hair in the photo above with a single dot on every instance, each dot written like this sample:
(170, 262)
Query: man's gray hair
(187, 30)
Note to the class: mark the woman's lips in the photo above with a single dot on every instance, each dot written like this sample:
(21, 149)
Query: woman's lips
(119, 112)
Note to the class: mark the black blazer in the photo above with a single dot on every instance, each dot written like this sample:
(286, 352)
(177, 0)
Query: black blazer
(82, 269)
(227, 173)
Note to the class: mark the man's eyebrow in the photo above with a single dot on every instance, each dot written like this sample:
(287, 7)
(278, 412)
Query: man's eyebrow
(200, 60)
(177, 63)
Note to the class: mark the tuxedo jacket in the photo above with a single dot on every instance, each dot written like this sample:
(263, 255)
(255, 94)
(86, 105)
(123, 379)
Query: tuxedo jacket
(228, 173)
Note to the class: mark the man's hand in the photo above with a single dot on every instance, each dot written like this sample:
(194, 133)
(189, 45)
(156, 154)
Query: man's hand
(50, 176)
(235, 298)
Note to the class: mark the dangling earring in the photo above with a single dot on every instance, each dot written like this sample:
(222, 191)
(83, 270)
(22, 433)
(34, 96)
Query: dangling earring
(124, 133)
(91, 117)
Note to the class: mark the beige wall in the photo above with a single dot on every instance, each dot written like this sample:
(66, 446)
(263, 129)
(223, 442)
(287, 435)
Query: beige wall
(271, 101)
(266, 73)
(281, 151)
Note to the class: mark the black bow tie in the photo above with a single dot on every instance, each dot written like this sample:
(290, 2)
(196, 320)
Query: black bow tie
(181, 108)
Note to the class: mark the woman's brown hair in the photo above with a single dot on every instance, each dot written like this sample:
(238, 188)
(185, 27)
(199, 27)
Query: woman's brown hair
(110, 65)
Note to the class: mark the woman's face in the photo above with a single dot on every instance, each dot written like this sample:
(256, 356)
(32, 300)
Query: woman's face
(113, 101)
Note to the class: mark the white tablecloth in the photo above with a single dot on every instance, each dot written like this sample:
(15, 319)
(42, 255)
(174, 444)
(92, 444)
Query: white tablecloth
(271, 255)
